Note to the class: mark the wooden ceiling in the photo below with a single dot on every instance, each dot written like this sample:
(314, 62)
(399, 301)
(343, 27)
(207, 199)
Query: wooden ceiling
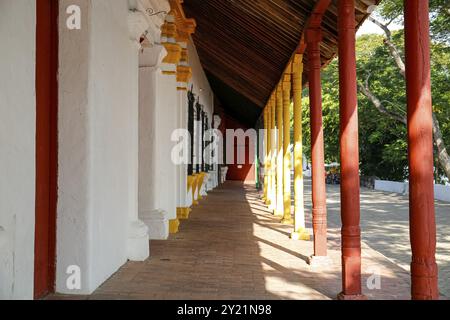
(245, 45)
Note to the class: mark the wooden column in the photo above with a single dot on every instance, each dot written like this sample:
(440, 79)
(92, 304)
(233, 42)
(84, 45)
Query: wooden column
(266, 154)
(279, 173)
(287, 217)
(273, 162)
(424, 271)
(349, 144)
(313, 38)
(46, 147)
(300, 232)
(269, 154)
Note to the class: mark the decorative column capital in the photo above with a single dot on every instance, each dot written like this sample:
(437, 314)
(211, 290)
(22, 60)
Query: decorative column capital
(152, 56)
(137, 26)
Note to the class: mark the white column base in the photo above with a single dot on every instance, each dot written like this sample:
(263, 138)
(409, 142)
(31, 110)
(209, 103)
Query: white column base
(138, 247)
(204, 188)
(212, 180)
(157, 223)
(189, 198)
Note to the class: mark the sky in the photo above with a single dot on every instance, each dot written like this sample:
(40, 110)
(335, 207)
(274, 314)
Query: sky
(369, 27)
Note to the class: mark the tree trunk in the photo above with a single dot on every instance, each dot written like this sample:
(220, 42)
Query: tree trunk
(444, 158)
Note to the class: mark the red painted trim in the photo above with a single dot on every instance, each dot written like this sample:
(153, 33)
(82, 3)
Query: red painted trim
(46, 145)
(424, 271)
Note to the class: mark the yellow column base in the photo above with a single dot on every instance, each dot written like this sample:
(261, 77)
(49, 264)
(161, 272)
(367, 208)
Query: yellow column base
(174, 226)
(301, 234)
(287, 221)
(277, 213)
(183, 213)
(268, 202)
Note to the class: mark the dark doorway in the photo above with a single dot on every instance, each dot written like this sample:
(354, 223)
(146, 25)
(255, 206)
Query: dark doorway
(46, 145)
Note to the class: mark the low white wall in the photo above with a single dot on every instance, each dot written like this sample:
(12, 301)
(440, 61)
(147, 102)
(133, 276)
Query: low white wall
(391, 186)
(17, 147)
(441, 192)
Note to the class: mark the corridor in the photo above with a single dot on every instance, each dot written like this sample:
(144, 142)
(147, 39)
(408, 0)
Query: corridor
(233, 248)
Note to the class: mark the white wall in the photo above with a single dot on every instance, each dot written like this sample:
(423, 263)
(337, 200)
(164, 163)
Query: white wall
(17, 147)
(203, 90)
(200, 81)
(391, 186)
(95, 154)
(441, 192)
(158, 103)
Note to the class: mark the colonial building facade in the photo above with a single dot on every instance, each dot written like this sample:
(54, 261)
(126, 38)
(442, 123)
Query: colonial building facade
(97, 96)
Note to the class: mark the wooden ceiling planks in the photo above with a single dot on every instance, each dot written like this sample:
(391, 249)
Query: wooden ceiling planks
(245, 45)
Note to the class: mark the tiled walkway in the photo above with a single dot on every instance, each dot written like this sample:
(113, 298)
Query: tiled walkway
(233, 248)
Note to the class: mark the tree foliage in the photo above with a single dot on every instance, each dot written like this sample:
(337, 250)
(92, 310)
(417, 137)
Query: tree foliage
(383, 141)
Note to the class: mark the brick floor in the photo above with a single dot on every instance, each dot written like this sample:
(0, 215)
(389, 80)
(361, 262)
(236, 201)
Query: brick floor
(233, 248)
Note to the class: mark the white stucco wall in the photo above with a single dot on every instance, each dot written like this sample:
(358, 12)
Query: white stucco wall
(17, 147)
(200, 81)
(96, 149)
(158, 103)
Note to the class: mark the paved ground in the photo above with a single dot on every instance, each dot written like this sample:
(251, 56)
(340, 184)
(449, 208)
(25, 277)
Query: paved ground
(385, 228)
(233, 248)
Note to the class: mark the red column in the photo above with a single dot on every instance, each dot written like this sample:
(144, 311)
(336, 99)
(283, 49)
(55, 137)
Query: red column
(350, 187)
(420, 137)
(313, 39)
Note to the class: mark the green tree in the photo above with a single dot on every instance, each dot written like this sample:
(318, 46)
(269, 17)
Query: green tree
(382, 129)
(394, 107)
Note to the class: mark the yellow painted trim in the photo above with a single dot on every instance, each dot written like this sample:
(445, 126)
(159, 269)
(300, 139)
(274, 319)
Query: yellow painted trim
(299, 202)
(279, 173)
(301, 234)
(287, 218)
(273, 162)
(174, 226)
(183, 213)
(172, 73)
(266, 155)
(173, 53)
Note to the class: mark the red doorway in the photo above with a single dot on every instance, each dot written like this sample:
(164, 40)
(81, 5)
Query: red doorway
(46, 145)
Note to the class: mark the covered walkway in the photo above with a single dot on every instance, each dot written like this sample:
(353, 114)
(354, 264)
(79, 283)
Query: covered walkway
(232, 247)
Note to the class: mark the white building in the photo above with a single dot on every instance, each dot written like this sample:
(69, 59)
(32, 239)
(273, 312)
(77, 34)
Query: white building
(94, 126)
